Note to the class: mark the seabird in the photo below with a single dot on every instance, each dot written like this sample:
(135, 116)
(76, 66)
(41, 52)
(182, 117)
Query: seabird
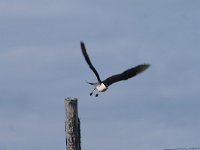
(102, 86)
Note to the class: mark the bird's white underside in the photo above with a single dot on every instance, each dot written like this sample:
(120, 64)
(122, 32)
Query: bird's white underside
(101, 87)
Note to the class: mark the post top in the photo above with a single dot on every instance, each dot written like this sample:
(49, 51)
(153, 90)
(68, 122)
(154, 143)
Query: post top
(70, 99)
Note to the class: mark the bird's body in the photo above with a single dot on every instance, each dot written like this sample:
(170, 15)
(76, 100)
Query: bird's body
(102, 86)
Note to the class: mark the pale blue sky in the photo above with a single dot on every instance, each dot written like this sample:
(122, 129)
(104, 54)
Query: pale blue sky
(41, 63)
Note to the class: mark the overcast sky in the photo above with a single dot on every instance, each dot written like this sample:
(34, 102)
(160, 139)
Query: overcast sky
(41, 64)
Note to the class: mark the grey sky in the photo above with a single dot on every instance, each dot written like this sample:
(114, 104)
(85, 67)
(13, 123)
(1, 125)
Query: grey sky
(41, 63)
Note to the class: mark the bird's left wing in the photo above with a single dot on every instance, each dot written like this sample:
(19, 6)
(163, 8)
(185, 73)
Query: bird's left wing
(89, 62)
(126, 74)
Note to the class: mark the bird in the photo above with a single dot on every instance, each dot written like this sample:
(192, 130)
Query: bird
(102, 85)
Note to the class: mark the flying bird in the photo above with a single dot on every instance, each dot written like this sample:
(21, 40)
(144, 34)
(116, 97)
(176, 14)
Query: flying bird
(102, 86)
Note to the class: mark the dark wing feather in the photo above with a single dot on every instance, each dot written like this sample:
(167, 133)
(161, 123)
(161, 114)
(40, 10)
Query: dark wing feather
(87, 59)
(126, 74)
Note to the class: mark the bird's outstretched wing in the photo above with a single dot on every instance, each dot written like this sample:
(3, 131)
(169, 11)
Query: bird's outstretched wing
(87, 59)
(126, 74)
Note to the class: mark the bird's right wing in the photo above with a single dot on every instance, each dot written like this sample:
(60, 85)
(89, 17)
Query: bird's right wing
(126, 74)
(87, 59)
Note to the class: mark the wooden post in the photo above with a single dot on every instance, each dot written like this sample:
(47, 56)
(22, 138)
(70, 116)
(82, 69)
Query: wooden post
(72, 124)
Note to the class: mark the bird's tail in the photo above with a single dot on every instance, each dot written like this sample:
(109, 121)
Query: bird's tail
(90, 83)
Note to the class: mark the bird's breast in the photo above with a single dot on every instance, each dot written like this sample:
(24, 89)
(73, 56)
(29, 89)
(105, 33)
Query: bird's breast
(101, 87)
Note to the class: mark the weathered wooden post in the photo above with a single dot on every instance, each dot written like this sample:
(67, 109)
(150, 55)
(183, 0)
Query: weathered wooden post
(72, 124)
